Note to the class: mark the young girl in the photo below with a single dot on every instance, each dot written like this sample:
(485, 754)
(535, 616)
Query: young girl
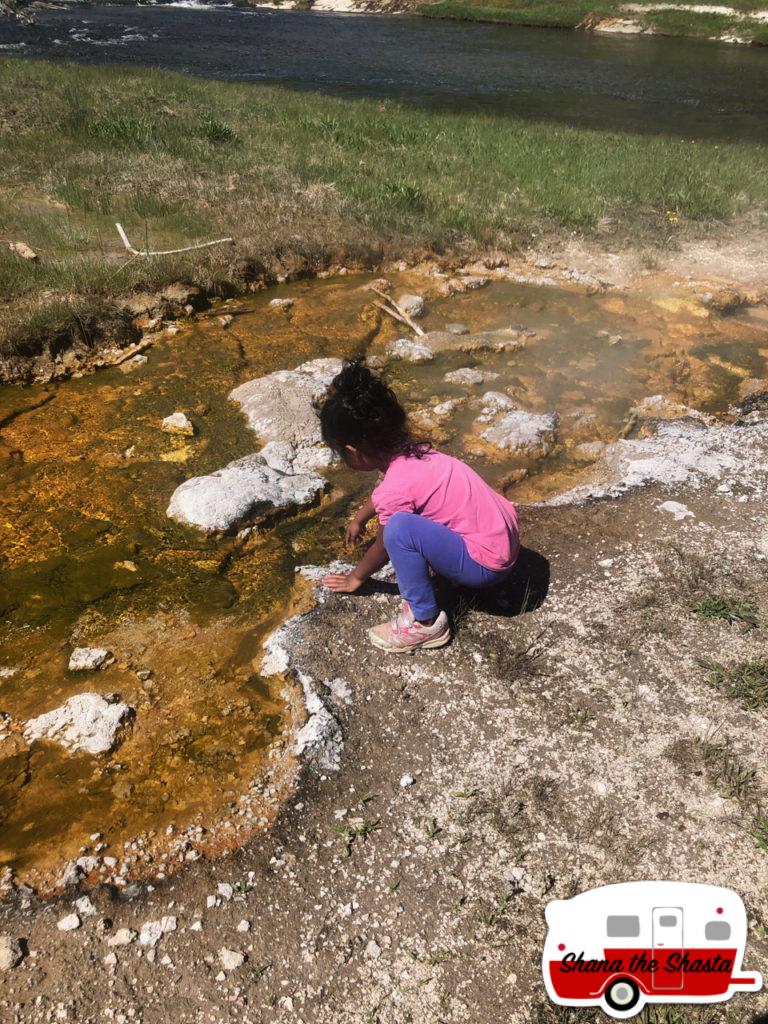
(434, 511)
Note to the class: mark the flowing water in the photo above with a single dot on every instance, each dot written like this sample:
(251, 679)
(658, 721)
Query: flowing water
(88, 555)
(694, 88)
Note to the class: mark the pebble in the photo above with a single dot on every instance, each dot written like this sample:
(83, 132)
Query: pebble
(151, 933)
(372, 950)
(244, 926)
(231, 959)
(406, 781)
(178, 423)
(285, 304)
(85, 906)
(69, 923)
(11, 952)
(225, 889)
(110, 960)
(122, 937)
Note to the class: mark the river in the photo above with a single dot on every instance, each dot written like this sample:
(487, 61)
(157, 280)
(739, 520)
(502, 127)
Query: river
(693, 88)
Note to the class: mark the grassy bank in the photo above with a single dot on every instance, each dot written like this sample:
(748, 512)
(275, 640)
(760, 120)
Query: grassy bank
(178, 159)
(677, 19)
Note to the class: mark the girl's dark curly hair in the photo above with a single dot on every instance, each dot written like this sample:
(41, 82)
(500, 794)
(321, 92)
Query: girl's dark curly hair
(361, 411)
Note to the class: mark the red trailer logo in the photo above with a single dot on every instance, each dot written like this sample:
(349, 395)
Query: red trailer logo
(622, 946)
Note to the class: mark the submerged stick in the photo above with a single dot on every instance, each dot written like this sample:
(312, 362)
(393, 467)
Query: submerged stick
(400, 314)
(166, 252)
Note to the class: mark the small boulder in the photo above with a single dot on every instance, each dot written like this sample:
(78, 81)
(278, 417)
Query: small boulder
(491, 404)
(469, 375)
(244, 490)
(11, 952)
(411, 351)
(281, 405)
(527, 433)
(460, 285)
(88, 659)
(133, 363)
(658, 407)
(283, 304)
(412, 305)
(89, 722)
(178, 423)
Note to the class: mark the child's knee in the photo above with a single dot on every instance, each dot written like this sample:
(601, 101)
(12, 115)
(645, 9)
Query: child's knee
(397, 529)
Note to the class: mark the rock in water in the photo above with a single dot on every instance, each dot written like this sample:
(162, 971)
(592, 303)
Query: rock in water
(90, 722)
(525, 432)
(88, 659)
(412, 305)
(244, 490)
(11, 952)
(411, 351)
(281, 406)
(178, 423)
(469, 375)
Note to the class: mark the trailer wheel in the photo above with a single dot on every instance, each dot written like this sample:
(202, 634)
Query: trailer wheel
(622, 995)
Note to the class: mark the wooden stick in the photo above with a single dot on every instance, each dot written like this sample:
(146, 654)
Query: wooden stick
(165, 252)
(402, 316)
(390, 312)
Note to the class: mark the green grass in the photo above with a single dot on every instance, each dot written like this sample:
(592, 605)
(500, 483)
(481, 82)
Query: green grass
(571, 14)
(302, 177)
(548, 14)
(739, 610)
(746, 682)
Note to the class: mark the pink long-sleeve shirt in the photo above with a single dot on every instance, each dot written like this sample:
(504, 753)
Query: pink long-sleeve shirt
(450, 492)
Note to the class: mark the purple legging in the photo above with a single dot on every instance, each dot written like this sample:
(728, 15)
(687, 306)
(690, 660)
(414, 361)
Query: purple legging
(414, 544)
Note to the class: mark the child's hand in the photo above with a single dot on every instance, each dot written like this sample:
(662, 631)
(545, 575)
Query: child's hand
(343, 582)
(354, 532)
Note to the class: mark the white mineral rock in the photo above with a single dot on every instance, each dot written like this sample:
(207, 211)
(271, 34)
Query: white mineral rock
(409, 350)
(231, 959)
(242, 490)
(319, 740)
(90, 722)
(412, 305)
(85, 907)
(122, 937)
(469, 375)
(677, 509)
(525, 432)
(281, 405)
(406, 781)
(69, 923)
(178, 423)
(87, 659)
(151, 933)
(11, 952)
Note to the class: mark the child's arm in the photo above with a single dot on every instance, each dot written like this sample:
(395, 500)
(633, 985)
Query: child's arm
(357, 523)
(375, 558)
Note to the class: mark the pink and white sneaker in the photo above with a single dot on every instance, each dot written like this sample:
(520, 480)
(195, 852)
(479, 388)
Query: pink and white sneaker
(403, 634)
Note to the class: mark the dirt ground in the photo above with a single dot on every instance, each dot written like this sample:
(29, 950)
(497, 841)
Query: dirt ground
(570, 736)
